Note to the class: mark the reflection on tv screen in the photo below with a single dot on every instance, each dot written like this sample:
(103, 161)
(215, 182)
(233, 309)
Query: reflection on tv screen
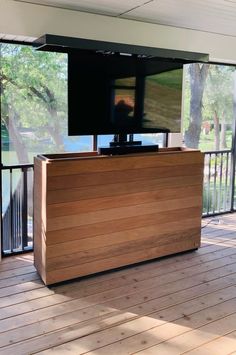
(162, 100)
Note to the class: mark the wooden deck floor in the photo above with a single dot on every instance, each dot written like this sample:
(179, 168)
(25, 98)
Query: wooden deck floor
(183, 304)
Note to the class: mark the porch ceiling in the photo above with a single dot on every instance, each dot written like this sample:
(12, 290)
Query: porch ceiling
(216, 16)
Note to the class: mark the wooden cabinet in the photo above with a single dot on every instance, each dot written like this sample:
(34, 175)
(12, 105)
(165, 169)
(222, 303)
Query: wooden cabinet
(93, 213)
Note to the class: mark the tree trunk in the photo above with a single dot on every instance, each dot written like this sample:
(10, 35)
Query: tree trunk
(198, 75)
(217, 131)
(21, 153)
(55, 131)
(223, 132)
(15, 137)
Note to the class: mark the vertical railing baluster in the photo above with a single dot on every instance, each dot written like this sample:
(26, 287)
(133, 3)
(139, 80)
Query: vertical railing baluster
(209, 184)
(226, 181)
(205, 197)
(31, 204)
(18, 215)
(11, 214)
(229, 181)
(220, 187)
(20, 211)
(7, 233)
(214, 192)
(15, 218)
(25, 209)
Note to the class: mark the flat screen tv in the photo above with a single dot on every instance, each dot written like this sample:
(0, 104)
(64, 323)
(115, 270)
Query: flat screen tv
(120, 93)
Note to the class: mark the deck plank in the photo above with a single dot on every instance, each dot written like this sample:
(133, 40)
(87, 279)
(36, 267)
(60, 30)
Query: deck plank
(180, 304)
(220, 346)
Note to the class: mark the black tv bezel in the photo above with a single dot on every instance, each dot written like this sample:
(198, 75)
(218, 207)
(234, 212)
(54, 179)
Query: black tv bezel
(102, 129)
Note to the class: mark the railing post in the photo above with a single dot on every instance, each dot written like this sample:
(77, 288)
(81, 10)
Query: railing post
(1, 221)
(233, 156)
(24, 209)
(11, 240)
(232, 179)
(95, 143)
(165, 139)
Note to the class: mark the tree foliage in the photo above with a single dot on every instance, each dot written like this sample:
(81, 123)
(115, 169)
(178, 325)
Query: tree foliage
(33, 96)
(218, 102)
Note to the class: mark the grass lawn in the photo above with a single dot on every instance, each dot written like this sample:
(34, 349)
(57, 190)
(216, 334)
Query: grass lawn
(207, 141)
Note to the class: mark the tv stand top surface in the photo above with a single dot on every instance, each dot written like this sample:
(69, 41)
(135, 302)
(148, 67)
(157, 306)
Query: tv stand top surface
(95, 155)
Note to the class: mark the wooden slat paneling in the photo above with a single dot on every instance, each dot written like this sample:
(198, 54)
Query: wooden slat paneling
(115, 214)
(105, 190)
(118, 163)
(143, 206)
(94, 179)
(104, 203)
(125, 224)
(157, 230)
(123, 259)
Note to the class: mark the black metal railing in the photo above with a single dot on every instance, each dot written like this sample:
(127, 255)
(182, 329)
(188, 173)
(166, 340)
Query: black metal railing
(17, 208)
(217, 185)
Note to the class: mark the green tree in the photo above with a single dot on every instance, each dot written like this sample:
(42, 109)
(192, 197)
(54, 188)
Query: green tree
(33, 96)
(208, 106)
(218, 102)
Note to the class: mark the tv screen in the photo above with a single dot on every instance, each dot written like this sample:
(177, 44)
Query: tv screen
(115, 93)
